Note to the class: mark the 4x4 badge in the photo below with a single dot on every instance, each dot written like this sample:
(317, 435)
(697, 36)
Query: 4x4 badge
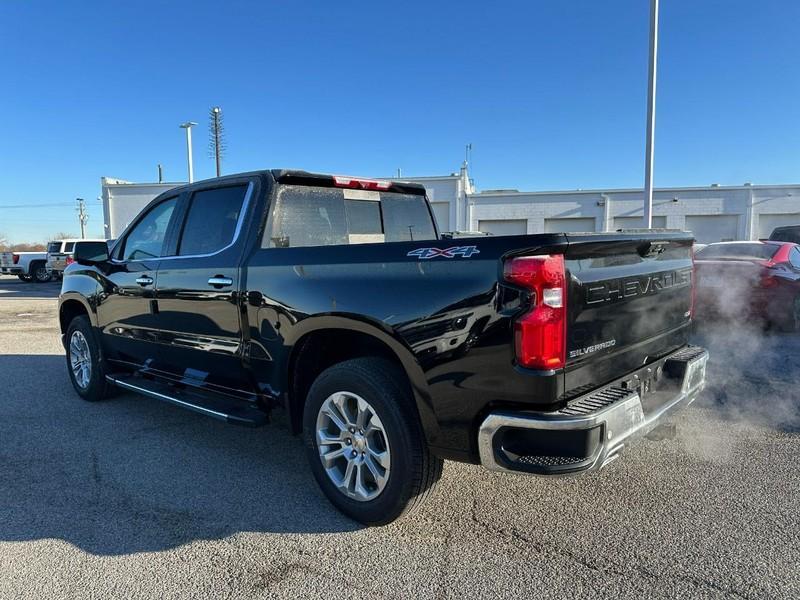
(452, 252)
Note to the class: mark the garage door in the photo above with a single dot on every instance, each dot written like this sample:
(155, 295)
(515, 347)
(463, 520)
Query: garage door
(441, 210)
(567, 225)
(766, 223)
(638, 222)
(504, 227)
(713, 228)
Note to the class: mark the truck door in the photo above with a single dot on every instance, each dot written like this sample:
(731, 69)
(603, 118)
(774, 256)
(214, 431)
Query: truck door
(125, 311)
(198, 288)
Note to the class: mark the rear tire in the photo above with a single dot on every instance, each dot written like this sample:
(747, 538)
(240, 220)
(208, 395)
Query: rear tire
(378, 490)
(86, 369)
(39, 272)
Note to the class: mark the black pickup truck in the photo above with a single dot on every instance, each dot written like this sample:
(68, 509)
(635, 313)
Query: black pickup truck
(390, 347)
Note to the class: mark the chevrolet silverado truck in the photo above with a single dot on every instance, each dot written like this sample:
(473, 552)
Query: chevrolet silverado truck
(27, 266)
(390, 348)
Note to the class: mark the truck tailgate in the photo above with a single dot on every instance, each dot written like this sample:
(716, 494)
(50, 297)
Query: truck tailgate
(629, 303)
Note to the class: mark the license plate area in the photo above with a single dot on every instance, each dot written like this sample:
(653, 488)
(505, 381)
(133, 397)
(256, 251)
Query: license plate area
(649, 380)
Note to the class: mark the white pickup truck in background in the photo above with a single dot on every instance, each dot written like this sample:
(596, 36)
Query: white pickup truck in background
(59, 254)
(28, 266)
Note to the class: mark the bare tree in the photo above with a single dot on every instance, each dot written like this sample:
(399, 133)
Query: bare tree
(61, 235)
(27, 247)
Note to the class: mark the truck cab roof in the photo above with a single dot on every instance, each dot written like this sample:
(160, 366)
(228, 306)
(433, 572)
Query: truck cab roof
(301, 177)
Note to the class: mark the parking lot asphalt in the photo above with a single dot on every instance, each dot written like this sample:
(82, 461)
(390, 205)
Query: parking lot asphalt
(135, 498)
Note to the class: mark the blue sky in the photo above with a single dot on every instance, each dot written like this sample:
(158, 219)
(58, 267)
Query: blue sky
(550, 94)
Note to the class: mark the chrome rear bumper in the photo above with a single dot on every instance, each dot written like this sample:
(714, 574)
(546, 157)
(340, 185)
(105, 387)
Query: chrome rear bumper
(591, 430)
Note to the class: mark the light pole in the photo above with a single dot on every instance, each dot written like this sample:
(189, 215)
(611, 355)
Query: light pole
(651, 117)
(188, 127)
(82, 216)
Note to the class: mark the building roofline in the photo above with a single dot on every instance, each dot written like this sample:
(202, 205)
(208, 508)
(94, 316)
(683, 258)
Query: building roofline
(704, 188)
(132, 183)
(411, 178)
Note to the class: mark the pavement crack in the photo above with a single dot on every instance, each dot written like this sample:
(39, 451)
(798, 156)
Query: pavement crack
(632, 572)
(95, 470)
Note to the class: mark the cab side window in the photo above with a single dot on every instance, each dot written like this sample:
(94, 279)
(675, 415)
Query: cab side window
(211, 221)
(146, 239)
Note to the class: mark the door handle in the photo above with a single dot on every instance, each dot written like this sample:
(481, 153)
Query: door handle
(144, 280)
(220, 281)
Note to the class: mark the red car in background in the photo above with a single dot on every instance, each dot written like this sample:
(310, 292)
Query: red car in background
(750, 280)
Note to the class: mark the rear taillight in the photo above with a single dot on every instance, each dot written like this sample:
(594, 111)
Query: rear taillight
(540, 335)
(767, 280)
(15, 258)
(69, 260)
(361, 184)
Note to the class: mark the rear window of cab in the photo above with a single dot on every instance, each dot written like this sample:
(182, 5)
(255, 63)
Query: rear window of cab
(305, 216)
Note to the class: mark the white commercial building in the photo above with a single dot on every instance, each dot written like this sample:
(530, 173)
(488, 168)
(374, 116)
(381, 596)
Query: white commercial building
(712, 213)
(122, 201)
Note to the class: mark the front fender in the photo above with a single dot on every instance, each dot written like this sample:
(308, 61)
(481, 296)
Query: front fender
(81, 285)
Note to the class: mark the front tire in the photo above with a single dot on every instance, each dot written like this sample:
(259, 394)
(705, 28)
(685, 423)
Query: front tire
(86, 370)
(365, 443)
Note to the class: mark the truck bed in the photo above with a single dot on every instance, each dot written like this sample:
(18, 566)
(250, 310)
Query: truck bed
(628, 298)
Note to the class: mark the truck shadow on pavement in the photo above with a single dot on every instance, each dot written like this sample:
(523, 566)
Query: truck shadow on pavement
(133, 474)
(11, 287)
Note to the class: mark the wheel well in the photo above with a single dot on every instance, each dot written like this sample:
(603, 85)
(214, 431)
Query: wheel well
(319, 350)
(69, 310)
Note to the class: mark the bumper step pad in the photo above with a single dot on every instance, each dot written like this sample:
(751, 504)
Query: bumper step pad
(591, 430)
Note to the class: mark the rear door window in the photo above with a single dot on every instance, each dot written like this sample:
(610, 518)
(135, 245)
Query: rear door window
(211, 220)
(320, 216)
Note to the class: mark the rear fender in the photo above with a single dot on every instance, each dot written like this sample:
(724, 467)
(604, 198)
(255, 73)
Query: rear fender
(388, 338)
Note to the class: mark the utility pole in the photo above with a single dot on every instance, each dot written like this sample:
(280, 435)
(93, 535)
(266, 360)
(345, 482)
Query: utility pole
(83, 216)
(216, 143)
(188, 127)
(160, 173)
(651, 117)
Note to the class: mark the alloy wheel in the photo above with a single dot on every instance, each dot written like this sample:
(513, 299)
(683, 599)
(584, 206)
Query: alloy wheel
(353, 446)
(80, 359)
